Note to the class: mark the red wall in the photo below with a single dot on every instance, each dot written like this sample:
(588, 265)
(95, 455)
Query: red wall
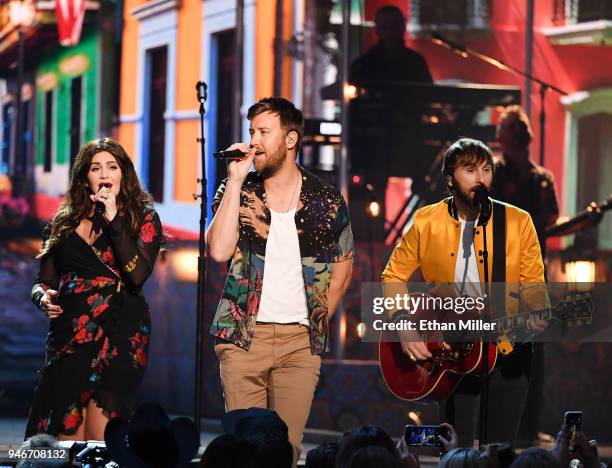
(571, 68)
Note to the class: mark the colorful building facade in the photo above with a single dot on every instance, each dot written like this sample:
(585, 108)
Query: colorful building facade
(67, 110)
(572, 50)
(66, 98)
(167, 47)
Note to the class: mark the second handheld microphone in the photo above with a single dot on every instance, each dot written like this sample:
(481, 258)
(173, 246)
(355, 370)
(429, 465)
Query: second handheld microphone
(100, 208)
(229, 154)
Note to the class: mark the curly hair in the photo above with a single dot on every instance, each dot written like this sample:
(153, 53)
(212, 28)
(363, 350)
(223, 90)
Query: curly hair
(132, 200)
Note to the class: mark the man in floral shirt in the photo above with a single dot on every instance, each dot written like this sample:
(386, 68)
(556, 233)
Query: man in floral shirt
(289, 239)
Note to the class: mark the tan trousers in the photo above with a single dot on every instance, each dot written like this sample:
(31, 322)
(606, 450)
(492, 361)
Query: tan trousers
(278, 372)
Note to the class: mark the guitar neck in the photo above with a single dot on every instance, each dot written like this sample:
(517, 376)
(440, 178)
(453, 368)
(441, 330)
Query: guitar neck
(520, 320)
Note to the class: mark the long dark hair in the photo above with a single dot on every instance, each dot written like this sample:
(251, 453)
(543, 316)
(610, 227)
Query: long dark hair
(132, 200)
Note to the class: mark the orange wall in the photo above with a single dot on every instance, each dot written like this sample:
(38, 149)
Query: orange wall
(188, 73)
(188, 54)
(129, 74)
(129, 58)
(287, 60)
(189, 58)
(187, 151)
(126, 136)
(264, 48)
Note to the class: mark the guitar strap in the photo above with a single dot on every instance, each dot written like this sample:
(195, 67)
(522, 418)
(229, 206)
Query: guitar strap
(499, 258)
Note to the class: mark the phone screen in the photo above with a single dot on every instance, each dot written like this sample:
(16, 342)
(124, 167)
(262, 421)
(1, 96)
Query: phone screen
(573, 426)
(425, 436)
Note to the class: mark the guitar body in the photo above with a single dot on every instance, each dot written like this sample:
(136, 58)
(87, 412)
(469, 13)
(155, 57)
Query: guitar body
(435, 379)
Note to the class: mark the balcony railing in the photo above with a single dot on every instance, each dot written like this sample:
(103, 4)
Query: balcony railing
(449, 15)
(581, 11)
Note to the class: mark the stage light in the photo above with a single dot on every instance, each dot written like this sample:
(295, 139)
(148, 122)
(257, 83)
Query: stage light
(22, 13)
(330, 128)
(356, 179)
(361, 330)
(415, 418)
(350, 91)
(373, 209)
(581, 274)
(184, 263)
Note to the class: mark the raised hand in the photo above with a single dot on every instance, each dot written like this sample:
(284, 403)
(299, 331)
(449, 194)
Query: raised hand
(107, 197)
(238, 169)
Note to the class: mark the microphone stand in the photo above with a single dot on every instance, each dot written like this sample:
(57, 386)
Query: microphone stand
(484, 375)
(465, 51)
(201, 291)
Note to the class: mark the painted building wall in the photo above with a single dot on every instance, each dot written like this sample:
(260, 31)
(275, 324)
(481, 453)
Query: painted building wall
(54, 74)
(191, 29)
(574, 69)
(176, 27)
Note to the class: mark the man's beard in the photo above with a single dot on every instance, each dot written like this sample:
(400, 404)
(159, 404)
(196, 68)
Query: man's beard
(464, 196)
(271, 164)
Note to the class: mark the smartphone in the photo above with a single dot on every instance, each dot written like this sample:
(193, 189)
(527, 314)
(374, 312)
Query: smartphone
(573, 426)
(423, 436)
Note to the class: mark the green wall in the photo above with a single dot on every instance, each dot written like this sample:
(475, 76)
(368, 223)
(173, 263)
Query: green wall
(50, 63)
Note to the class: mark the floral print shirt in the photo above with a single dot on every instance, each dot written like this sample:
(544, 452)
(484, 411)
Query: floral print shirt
(324, 237)
(101, 338)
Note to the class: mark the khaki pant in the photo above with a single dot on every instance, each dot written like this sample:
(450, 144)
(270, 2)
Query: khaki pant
(278, 372)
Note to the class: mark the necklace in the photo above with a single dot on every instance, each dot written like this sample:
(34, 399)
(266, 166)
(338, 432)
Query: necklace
(293, 194)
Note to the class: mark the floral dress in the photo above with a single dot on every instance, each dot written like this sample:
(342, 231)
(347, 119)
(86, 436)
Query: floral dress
(97, 348)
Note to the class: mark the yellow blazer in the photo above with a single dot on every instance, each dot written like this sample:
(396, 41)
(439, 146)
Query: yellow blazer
(432, 242)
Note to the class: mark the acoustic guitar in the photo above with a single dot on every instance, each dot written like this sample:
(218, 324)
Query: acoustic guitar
(436, 378)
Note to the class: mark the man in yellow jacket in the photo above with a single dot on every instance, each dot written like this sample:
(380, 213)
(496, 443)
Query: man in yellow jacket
(445, 243)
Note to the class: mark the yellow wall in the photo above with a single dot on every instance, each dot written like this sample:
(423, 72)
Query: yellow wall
(187, 74)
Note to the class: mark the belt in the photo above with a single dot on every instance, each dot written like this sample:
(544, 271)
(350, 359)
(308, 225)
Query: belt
(278, 323)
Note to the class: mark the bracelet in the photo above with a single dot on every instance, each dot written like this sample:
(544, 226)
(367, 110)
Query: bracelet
(401, 314)
(131, 265)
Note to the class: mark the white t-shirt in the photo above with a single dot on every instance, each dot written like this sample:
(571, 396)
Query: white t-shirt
(467, 277)
(283, 298)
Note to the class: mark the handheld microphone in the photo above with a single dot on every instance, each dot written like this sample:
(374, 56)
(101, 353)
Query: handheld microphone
(229, 154)
(100, 208)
